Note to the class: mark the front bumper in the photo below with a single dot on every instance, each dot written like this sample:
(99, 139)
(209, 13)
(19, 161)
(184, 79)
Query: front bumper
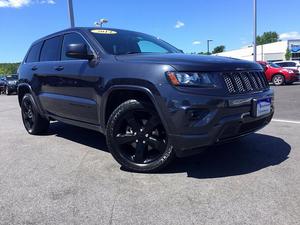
(201, 121)
(12, 88)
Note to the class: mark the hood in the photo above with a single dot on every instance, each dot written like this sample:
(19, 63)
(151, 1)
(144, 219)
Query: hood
(186, 62)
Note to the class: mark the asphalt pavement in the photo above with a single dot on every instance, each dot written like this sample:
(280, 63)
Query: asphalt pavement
(68, 177)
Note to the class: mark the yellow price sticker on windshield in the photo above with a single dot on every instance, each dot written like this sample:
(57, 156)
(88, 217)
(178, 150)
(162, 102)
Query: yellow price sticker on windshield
(98, 31)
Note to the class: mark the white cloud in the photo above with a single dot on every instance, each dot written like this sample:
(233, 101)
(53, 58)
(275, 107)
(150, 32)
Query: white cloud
(21, 3)
(290, 35)
(196, 42)
(14, 3)
(51, 2)
(179, 24)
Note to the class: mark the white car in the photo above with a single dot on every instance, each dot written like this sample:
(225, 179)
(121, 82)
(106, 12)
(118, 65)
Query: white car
(289, 64)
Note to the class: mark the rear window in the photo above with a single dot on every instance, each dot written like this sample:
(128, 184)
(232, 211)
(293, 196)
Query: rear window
(34, 53)
(51, 49)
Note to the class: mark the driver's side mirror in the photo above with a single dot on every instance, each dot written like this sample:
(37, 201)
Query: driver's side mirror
(78, 51)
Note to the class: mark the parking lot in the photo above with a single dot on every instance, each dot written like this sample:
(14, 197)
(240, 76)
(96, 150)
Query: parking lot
(68, 177)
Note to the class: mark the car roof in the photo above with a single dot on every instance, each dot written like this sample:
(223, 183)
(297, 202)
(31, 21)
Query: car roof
(79, 29)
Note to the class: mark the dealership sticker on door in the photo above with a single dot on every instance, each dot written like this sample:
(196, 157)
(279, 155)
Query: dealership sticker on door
(263, 107)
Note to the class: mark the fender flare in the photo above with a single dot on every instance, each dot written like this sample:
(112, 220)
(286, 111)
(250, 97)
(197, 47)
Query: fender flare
(131, 88)
(38, 104)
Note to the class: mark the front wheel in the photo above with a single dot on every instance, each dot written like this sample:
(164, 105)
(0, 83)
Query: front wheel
(137, 139)
(278, 80)
(34, 123)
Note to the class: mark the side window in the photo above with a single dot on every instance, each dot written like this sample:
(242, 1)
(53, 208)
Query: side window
(147, 46)
(51, 49)
(72, 38)
(290, 64)
(34, 53)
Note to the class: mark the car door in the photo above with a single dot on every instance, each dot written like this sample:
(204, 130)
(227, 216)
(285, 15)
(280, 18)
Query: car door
(63, 90)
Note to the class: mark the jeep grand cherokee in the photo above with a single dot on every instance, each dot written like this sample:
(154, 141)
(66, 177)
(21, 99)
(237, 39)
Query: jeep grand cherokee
(150, 100)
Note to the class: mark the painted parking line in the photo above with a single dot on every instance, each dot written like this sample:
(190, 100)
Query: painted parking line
(286, 121)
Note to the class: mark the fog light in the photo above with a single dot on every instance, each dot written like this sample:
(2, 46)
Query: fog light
(197, 114)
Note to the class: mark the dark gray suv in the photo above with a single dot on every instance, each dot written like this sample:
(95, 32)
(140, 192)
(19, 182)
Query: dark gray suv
(150, 100)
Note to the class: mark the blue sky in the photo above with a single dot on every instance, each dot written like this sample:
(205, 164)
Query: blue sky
(227, 22)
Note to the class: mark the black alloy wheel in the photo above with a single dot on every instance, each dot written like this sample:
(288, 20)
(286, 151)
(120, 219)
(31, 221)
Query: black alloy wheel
(34, 123)
(137, 138)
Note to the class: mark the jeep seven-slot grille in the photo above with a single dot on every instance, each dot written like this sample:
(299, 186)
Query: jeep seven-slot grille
(243, 82)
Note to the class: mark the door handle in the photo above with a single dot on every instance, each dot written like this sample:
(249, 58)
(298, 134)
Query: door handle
(59, 68)
(34, 68)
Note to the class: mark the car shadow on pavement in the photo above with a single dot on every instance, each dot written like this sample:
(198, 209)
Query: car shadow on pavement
(247, 155)
(80, 135)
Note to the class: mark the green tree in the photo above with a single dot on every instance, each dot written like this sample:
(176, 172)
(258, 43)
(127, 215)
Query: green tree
(8, 68)
(203, 53)
(218, 49)
(288, 54)
(267, 37)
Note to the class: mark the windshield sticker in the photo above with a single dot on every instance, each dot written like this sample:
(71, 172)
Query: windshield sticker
(103, 31)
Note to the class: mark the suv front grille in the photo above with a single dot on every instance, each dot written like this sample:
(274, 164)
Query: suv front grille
(244, 82)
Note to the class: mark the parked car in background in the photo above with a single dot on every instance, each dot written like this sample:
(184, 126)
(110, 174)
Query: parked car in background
(295, 65)
(278, 75)
(8, 84)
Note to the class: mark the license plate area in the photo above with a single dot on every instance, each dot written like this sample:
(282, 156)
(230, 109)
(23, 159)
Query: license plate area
(261, 107)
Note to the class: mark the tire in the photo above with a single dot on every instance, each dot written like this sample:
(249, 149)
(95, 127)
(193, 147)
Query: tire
(7, 92)
(278, 79)
(137, 139)
(33, 122)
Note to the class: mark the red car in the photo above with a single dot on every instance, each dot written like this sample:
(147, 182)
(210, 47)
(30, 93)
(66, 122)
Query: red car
(278, 75)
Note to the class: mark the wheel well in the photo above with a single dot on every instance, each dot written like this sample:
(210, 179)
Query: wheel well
(119, 96)
(278, 74)
(22, 90)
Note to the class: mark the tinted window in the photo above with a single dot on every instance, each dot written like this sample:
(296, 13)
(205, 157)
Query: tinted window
(34, 53)
(290, 64)
(70, 39)
(51, 49)
(128, 42)
(280, 64)
(274, 65)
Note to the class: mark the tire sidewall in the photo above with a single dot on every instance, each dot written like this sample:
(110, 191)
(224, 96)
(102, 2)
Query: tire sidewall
(35, 113)
(113, 120)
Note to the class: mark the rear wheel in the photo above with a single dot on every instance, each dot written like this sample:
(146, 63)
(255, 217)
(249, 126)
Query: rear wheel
(34, 123)
(278, 80)
(137, 139)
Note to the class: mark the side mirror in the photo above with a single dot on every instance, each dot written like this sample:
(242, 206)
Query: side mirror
(78, 51)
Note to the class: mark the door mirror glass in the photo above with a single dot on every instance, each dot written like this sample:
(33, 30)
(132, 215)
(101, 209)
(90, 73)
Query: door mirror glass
(78, 51)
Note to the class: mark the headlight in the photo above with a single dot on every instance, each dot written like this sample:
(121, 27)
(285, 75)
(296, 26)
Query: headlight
(290, 71)
(11, 82)
(205, 79)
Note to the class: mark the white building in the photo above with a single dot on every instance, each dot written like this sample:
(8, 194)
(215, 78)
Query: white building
(268, 52)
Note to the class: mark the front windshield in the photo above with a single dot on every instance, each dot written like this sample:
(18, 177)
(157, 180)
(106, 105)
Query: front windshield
(274, 65)
(13, 77)
(117, 42)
